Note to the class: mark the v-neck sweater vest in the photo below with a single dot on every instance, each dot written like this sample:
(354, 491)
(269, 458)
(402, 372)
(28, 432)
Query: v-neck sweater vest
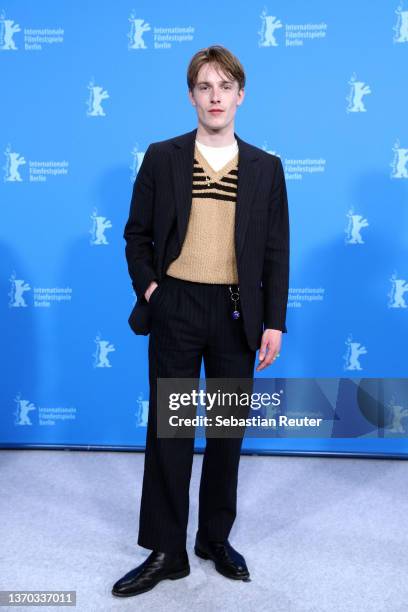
(208, 251)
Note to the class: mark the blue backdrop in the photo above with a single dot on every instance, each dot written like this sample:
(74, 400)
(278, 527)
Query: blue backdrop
(86, 89)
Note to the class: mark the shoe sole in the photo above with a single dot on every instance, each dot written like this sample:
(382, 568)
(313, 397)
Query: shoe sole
(203, 555)
(174, 576)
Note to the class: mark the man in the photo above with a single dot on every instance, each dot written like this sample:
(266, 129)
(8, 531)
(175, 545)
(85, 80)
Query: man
(207, 247)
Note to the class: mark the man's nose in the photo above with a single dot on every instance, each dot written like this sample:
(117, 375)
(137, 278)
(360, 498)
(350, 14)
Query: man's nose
(216, 95)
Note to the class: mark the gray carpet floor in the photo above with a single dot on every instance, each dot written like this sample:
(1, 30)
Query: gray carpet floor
(318, 534)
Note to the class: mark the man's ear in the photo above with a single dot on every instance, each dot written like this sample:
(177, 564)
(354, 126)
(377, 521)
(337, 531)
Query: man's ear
(241, 93)
(191, 97)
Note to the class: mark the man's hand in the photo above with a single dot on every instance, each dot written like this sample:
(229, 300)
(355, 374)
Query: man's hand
(150, 290)
(270, 347)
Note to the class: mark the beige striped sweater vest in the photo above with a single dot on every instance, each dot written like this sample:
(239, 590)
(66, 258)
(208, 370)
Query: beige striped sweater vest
(208, 251)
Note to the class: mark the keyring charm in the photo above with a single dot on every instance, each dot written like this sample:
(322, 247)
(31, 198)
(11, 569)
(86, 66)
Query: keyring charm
(235, 298)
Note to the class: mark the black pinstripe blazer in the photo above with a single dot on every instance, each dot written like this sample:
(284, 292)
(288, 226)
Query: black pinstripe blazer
(158, 219)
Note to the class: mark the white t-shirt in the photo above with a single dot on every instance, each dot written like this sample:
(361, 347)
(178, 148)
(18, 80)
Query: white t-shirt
(217, 157)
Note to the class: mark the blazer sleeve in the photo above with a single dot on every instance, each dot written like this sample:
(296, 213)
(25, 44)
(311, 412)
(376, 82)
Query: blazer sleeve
(275, 278)
(138, 232)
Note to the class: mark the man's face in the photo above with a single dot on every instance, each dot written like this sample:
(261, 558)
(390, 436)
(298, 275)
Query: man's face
(215, 90)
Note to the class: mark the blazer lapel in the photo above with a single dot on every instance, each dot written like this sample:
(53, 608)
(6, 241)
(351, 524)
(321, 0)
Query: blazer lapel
(248, 180)
(248, 174)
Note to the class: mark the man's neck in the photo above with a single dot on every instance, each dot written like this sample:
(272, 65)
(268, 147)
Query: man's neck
(215, 138)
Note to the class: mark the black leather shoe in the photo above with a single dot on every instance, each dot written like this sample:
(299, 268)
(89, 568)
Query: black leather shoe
(228, 561)
(157, 567)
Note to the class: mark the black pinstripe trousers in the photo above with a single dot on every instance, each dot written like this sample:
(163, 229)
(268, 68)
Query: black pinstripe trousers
(190, 322)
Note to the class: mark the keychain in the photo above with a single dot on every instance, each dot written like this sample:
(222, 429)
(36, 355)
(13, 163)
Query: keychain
(235, 297)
